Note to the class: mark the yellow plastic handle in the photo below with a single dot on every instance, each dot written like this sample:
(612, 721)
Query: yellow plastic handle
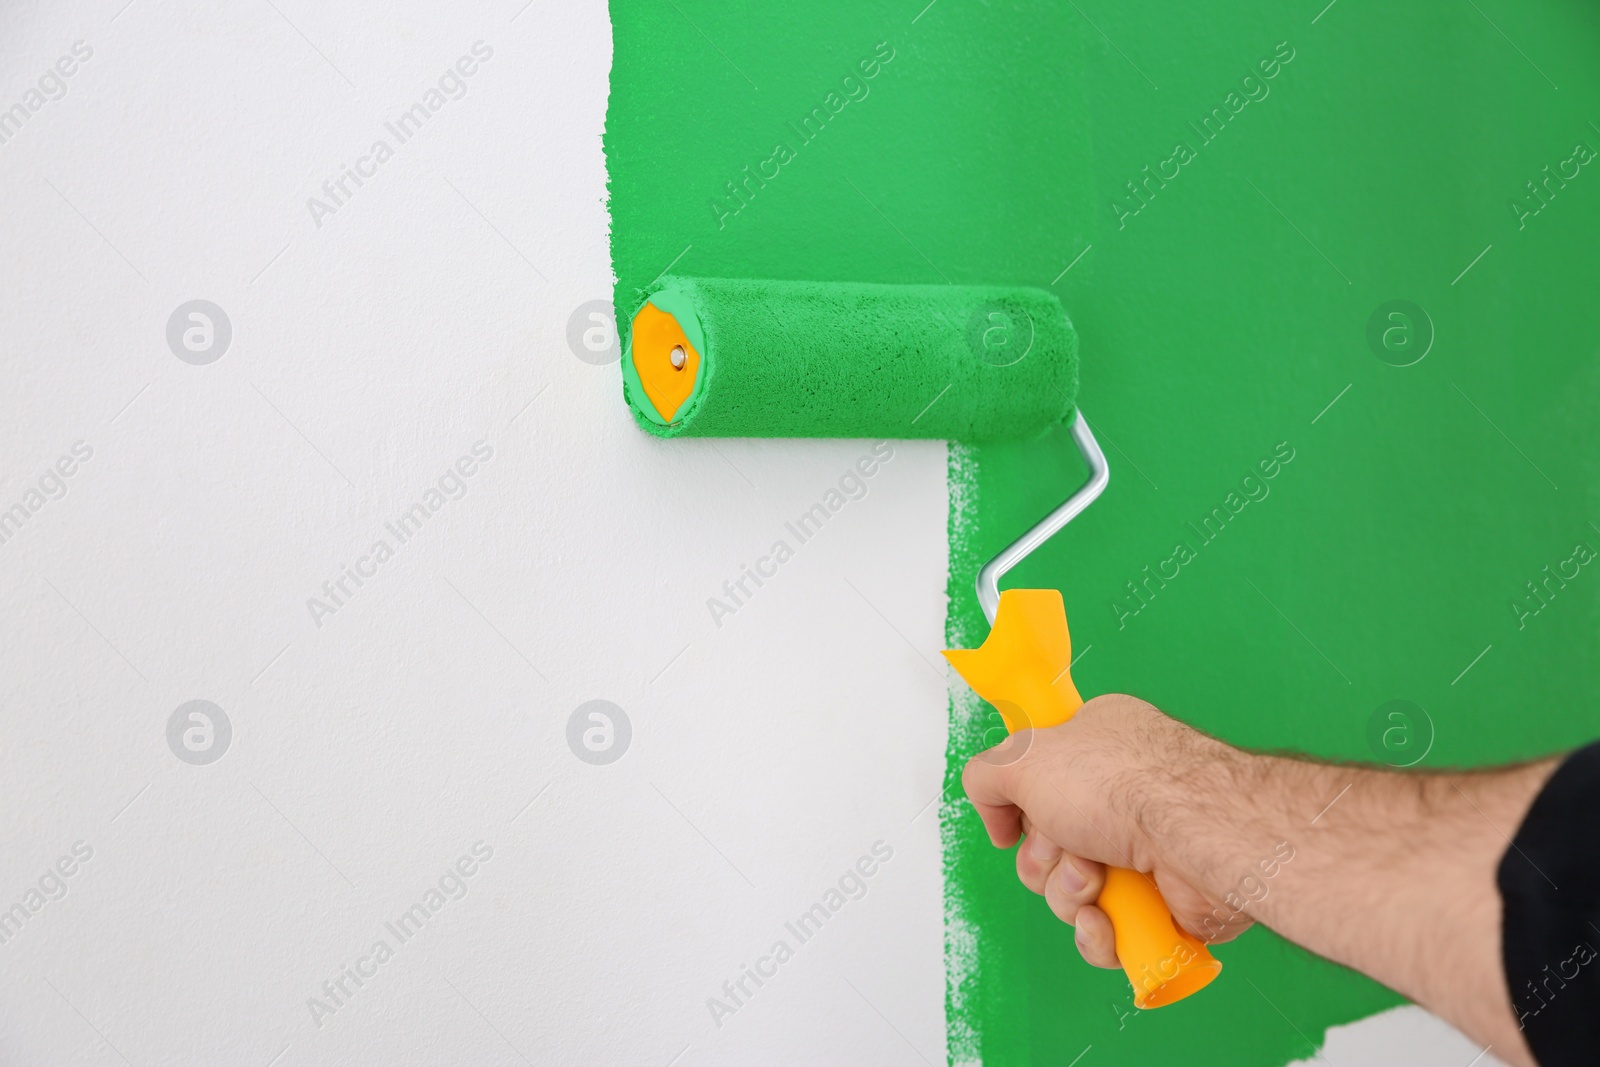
(1023, 669)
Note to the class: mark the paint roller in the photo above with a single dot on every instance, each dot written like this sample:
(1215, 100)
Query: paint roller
(721, 357)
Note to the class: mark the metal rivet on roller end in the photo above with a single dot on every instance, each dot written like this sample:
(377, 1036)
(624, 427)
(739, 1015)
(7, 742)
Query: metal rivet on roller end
(678, 357)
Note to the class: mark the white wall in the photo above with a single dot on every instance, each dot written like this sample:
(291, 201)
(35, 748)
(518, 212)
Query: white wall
(429, 712)
(1402, 1037)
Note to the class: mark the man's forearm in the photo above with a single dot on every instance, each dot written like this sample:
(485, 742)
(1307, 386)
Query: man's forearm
(1398, 875)
(1391, 873)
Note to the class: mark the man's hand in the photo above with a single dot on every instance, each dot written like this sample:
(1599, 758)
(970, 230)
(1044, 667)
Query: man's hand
(1392, 873)
(1080, 795)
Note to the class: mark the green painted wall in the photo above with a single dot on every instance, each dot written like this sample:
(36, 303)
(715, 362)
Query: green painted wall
(1219, 321)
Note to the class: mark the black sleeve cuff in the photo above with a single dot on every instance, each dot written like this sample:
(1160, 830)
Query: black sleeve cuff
(1550, 926)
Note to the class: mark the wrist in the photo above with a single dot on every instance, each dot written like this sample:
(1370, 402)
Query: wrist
(1210, 811)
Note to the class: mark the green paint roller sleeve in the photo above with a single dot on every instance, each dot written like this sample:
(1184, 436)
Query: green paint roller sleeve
(716, 357)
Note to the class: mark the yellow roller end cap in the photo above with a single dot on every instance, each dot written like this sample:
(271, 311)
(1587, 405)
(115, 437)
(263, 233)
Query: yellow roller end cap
(667, 364)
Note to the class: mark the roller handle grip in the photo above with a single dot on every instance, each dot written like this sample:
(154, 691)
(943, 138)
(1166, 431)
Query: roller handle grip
(1163, 963)
(1024, 668)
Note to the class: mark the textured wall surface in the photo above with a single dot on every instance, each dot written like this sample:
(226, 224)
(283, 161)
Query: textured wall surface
(402, 732)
